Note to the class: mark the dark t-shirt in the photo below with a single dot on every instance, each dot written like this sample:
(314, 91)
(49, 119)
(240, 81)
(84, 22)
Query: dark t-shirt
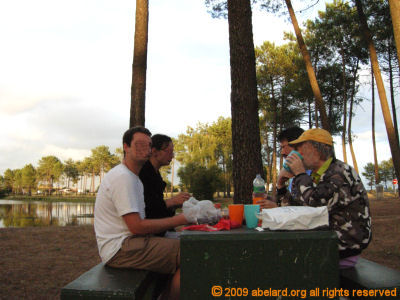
(154, 187)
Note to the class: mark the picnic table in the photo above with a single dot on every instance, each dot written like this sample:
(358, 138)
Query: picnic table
(247, 263)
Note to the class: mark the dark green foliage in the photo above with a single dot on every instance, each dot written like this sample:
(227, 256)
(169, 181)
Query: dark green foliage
(217, 8)
(369, 174)
(201, 181)
(386, 172)
(71, 170)
(3, 190)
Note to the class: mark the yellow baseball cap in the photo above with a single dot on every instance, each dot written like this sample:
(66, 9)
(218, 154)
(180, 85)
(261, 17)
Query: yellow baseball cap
(315, 134)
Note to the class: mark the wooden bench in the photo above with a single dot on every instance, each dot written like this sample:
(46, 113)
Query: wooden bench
(105, 282)
(368, 275)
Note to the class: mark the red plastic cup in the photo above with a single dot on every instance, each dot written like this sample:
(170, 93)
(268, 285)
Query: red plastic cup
(236, 213)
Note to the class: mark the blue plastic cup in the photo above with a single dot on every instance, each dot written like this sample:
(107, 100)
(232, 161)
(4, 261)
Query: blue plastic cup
(285, 166)
(250, 214)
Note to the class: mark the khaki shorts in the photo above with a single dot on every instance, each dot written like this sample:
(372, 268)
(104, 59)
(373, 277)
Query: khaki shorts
(151, 253)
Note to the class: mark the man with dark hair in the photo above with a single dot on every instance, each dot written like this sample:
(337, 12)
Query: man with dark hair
(125, 238)
(128, 135)
(162, 153)
(333, 184)
(286, 136)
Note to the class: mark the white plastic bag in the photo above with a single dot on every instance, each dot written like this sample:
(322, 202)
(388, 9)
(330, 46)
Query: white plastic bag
(294, 217)
(203, 211)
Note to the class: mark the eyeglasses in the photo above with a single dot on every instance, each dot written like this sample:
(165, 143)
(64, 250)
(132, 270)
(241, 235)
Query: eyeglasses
(168, 151)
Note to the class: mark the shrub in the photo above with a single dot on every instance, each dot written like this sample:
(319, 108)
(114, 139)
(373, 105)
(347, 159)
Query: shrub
(201, 181)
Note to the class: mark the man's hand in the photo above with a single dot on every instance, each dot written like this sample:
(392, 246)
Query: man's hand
(178, 200)
(264, 203)
(295, 164)
(283, 176)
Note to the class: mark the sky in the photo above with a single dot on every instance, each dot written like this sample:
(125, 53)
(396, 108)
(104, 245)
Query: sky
(66, 70)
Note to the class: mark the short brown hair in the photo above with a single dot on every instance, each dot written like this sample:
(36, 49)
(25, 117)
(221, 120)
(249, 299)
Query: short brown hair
(128, 135)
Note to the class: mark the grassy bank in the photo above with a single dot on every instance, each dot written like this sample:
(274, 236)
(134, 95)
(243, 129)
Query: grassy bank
(66, 198)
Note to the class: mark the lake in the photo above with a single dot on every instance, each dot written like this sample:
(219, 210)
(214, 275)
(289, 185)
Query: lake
(40, 213)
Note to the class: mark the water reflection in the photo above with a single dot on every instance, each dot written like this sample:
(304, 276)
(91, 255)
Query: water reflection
(23, 214)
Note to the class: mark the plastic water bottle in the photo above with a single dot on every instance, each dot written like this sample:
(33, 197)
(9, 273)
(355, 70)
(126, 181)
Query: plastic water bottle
(258, 189)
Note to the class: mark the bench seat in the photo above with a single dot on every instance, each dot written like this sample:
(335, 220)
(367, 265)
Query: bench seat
(368, 275)
(105, 282)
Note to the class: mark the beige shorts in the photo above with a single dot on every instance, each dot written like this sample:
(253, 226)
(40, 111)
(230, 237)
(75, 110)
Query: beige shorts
(157, 254)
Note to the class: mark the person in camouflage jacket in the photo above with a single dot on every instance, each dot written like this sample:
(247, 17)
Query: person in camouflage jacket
(333, 184)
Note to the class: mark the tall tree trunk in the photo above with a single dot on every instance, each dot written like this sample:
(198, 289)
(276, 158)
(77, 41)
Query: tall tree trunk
(319, 103)
(344, 109)
(246, 143)
(268, 158)
(330, 105)
(395, 14)
(376, 166)
(172, 177)
(281, 128)
(353, 91)
(225, 176)
(139, 66)
(394, 113)
(92, 183)
(309, 114)
(274, 134)
(84, 184)
(394, 144)
(50, 184)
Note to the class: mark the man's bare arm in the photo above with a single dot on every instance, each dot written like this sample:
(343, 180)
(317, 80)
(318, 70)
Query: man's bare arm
(141, 226)
(177, 200)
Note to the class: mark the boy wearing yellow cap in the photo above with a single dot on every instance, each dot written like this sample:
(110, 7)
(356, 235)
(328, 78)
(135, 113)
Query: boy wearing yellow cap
(333, 184)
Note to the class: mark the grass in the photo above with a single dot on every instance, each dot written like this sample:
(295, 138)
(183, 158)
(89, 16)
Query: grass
(58, 198)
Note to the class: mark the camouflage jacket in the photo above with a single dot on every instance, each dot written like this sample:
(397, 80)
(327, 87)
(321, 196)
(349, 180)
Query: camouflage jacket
(341, 190)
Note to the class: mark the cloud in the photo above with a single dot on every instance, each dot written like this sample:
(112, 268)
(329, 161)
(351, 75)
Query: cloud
(16, 102)
(68, 127)
(363, 149)
(65, 153)
(66, 75)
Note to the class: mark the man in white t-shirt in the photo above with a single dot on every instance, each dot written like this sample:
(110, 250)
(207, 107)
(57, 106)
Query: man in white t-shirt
(124, 237)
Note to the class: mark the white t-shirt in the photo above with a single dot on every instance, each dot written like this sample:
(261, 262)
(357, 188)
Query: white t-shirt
(120, 193)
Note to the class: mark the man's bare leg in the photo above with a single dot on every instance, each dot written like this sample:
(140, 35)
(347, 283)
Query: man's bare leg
(172, 290)
(176, 285)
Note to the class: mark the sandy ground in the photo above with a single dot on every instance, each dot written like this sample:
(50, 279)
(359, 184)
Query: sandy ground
(385, 245)
(36, 262)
